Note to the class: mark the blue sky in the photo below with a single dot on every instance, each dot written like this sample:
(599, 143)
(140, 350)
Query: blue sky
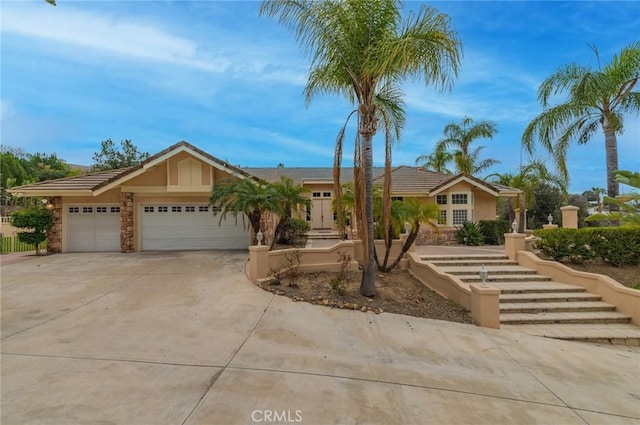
(230, 82)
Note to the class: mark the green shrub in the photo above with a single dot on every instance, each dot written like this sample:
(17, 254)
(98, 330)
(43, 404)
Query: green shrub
(469, 234)
(493, 231)
(616, 245)
(293, 231)
(35, 222)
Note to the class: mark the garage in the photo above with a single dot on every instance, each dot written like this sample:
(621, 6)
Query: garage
(93, 228)
(189, 227)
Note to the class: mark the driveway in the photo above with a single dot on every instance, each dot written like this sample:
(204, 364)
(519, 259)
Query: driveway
(185, 338)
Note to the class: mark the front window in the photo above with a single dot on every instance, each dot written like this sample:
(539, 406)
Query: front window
(459, 217)
(441, 199)
(459, 199)
(442, 217)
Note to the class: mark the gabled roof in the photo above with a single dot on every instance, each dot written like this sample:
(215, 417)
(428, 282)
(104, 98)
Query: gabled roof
(301, 175)
(85, 183)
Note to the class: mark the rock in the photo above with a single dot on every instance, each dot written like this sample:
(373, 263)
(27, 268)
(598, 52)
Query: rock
(280, 292)
(325, 302)
(364, 308)
(355, 306)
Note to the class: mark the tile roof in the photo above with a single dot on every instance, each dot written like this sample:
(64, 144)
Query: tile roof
(301, 174)
(91, 181)
(407, 179)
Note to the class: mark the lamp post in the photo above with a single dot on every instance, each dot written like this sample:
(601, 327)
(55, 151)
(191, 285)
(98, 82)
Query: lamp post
(514, 226)
(407, 227)
(484, 274)
(550, 218)
(259, 237)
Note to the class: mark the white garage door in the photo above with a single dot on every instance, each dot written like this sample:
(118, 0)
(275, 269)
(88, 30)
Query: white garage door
(93, 228)
(189, 226)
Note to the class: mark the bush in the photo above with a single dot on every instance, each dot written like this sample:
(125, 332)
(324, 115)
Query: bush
(493, 231)
(293, 231)
(35, 222)
(616, 245)
(469, 234)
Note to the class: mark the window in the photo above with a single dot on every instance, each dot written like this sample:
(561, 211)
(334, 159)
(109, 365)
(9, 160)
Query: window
(115, 209)
(74, 209)
(326, 194)
(308, 215)
(459, 217)
(163, 209)
(459, 198)
(189, 208)
(87, 209)
(149, 209)
(316, 194)
(442, 217)
(203, 208)
(441, 199)
(216, 209)
(176, 209)
(101, 209)
(397, 198)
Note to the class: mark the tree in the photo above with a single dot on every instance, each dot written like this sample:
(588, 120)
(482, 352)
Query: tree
(363, 49)
(112, 158)
(628, 205)
(35, 222)
(436, 161)
(595, 99)
(457, 145)
(247, 197)
(290, 196)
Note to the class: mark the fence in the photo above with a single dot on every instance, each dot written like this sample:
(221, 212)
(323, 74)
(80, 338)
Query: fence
(11, 244)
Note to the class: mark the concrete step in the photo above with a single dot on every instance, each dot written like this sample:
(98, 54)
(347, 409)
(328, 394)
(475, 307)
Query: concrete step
(548, 297)
(492, 270)
(323, 234)
(505, 278)
(611, 333)
(474, 257)
(534, 287)
(555, 307)
(474, 263)
(564, 317)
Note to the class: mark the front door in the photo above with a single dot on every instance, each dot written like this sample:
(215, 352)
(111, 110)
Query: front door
(321, 210)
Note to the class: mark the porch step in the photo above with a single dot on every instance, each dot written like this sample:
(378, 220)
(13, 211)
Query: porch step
(535, 287)
(610, 333)
(491, 269)
(532, 297)
(511, 278)
(555, 307)
(564, 317)
(324, 234)
(473, 263)
(474, 257)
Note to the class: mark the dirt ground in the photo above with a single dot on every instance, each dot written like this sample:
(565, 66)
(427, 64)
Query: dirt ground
(396, 292)
(627, 275)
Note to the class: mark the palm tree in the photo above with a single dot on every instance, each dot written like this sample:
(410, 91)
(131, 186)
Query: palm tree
(527, 180)
(436, 161)
(290, 196)
(459, 138)
(596, 99)
(246, 197)
(363, 49)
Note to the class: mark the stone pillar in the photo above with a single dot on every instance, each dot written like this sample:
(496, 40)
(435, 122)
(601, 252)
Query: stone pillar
(485, 305)
(258, 262)
(126, 222)
(54, 236)
(514, 242)
(569, 217)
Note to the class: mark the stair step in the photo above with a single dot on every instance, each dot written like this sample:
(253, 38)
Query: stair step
(476, 263)
(480, 257)
(492, 270)
(555, 307)
(548, 297)
(611, 333)
(505, 278)
(535, 287)
(564, 317)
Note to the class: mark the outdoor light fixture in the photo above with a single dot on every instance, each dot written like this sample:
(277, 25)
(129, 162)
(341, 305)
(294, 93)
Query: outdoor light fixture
(550, 218)
(407, 227)
(44, 201)
(484, 274)
(50, 206)
(514, 226)
(259, 237)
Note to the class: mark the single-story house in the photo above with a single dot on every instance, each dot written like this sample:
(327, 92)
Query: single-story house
(163, 203)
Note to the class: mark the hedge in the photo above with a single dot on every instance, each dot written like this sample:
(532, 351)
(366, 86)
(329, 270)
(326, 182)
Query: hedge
(615, 245)
(494, 230)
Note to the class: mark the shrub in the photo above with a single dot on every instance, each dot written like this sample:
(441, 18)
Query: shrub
(493, 231)
(35, 222)
(616, 245)
(293, 231)
(469, 234)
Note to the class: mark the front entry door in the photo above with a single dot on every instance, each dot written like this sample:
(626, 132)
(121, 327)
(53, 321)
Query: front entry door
(321, 210)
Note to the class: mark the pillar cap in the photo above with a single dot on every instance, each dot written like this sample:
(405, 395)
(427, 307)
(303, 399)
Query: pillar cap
(569, 208)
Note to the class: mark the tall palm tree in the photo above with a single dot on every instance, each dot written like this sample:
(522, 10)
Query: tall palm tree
(362, 49)
(436, 161)
(597, 98)
(457, 141)
(291, 196)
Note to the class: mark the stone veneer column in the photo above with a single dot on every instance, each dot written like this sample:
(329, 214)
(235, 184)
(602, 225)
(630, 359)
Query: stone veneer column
(126, 222)
(54, 236)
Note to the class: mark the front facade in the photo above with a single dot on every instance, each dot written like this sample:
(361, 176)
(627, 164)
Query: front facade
(163, 203)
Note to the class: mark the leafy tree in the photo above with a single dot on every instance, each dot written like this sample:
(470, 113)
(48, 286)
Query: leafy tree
(628, 205)
(42, 166)
(597, 99)
(436, 161)
(363, 49)
(291, 196)
(245, 197)
(457, 145)
(35, 222)
(111, 157)
(547, 199)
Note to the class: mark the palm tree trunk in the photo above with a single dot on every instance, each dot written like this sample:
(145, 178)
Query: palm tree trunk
(611, 149)
(368, 284)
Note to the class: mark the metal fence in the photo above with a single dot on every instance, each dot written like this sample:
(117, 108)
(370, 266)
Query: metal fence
(11, 244)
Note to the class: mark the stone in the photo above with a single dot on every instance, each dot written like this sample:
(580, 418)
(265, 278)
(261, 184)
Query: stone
(364, 308)
(325, 302)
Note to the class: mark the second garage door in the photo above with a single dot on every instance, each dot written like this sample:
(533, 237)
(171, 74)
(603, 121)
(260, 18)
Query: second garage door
(189, 227)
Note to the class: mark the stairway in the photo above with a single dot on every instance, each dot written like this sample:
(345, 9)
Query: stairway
(534, 304)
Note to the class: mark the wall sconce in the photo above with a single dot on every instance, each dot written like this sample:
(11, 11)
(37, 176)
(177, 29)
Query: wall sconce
(259, 237)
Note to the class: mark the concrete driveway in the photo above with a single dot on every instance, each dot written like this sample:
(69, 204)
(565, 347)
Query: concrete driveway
(185, 338)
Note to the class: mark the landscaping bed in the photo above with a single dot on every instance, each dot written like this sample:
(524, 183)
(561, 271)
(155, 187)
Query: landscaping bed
(628, 275)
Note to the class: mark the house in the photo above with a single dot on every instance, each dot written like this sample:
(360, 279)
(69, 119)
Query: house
(163, 203)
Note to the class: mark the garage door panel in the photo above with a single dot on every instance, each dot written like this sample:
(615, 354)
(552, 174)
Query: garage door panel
(91, 228)
(189, 227)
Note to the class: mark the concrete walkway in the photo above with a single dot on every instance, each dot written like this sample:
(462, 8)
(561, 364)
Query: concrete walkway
(184, 338)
